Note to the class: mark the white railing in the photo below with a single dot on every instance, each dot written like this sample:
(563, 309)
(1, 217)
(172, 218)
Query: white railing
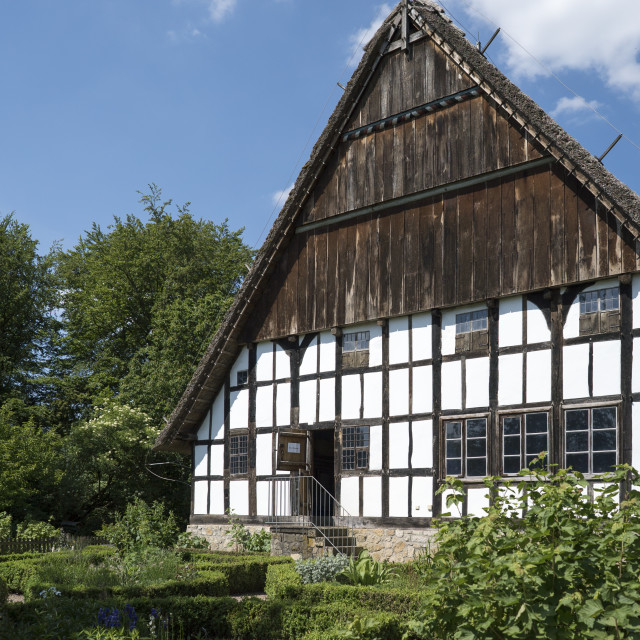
(301, 501)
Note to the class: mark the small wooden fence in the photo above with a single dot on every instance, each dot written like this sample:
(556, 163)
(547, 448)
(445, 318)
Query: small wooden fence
(46, 545)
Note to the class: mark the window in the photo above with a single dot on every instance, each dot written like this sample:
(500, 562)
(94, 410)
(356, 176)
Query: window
(472, 331)
(242, 377)
(599, 311)
(355, 448)
(591, 439)
(355, 350)
(524, 437)
(239, 454)
(466, 447)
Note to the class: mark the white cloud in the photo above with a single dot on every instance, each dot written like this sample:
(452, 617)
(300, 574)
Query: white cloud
(601, 36)
(220, 9)
(360, 38)
(280, 197)
(575, 106)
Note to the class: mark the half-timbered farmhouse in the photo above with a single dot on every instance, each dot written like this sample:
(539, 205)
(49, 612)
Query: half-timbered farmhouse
(452, 287)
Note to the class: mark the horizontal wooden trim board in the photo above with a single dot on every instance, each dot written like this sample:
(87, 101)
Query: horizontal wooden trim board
(429, 193)
(404, 116)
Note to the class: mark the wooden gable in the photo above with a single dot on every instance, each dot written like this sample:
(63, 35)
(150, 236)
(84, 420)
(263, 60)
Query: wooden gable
(491, 212)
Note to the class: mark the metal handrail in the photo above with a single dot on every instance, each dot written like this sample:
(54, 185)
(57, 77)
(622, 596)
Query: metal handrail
(301, 501)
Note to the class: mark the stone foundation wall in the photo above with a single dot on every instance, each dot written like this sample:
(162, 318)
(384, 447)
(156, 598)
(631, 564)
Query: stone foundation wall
(218, 535)
(393, 545)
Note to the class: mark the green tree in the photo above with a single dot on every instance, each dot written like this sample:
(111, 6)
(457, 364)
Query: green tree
(106, 463)
(141, 301)
(31, 465)
(27, 293)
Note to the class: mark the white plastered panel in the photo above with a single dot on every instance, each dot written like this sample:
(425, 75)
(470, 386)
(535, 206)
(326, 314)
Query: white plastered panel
(537, 328)
(635, 435)
(201, 460)
(635, 371)
(452, 385)
(539, 376)
(477, 382)
(350, 495)
(264, 444)
(510, 322)
(399, 392)
(398, 445)
(398, 340)
(283, 364)
(575, 371)
(283, 404)
(239, 497)
(241, 364)
(422, 452)
(203, 430)
(372, 405)
(264, 406)
(239, 412)
(375, 343)
(264, 361)
(327, 399)
(372, 497)
(421, 338)
(216, 500)
(217, 417)
(477, 501)
(422, 497)
(606, 368)
(308, 397)
(398, 497)
(455, 510)
(375, 448)
(200, 495)
(262, 498)
(422, 395)
(309, 364)
(217, 459)
(327, 352)
(351, 397)
(449, 327)
(510, 379)
(635, 294)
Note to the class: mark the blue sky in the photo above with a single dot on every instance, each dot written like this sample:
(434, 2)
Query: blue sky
(219, 102)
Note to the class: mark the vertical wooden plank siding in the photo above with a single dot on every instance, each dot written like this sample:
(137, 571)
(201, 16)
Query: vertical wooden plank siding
(519, 234)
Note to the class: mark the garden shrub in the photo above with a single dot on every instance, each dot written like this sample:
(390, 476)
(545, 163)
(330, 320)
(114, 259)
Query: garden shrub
(4, 592)
(34, 530)
(5, 525)
(17, 573)
(567, 568)
(367, 571)
(141, 526)
(187, 540)
(282, 581)
(321, 569)
(243, 540)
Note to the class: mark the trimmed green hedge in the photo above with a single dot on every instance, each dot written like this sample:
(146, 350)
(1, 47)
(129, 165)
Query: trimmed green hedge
(206, 583)
(283, 581)
(221, 617)
(17, 573)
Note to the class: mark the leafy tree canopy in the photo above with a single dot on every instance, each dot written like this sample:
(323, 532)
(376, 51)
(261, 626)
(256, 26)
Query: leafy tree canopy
(141, 301)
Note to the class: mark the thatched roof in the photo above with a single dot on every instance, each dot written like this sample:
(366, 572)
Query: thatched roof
(612, 194)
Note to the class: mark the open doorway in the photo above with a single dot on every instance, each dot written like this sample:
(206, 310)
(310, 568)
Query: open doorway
(322, 447)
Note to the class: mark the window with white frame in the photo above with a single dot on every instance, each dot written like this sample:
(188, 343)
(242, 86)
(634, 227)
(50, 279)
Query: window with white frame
(466, 447)
(600, 311)
(239, 454)
(524, 437)
(472, 331)
(591, 439)
(355, 448)
(355, 349)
